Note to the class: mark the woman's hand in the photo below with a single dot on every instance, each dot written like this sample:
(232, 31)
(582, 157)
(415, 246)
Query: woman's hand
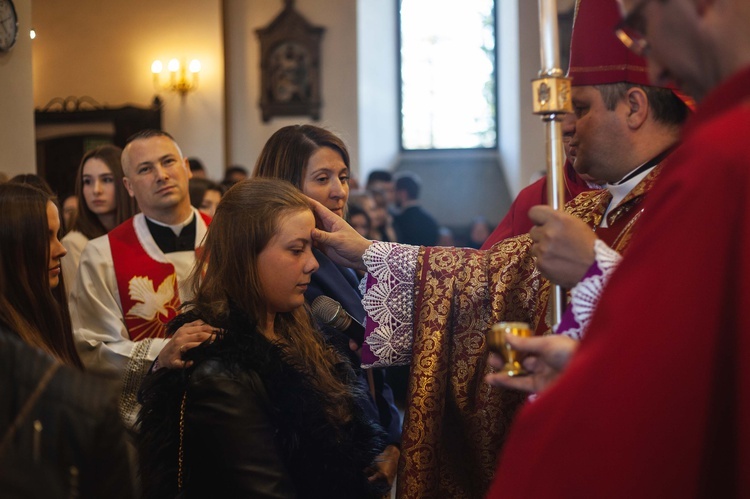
(189, 335)
(386, 465)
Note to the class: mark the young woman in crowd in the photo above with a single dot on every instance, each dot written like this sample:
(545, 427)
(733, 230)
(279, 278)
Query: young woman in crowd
(359, 219)
(103, 204)
(33, 304)
(381, 228)
(317, 162)
(267, 409)
(69, 442)
(205, 195)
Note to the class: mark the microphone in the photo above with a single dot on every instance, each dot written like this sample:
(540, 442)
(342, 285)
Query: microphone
(331, 313)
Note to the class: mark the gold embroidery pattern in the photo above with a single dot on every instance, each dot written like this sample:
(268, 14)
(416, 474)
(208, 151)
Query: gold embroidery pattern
(590, 207)
(615, 67)
(455, 424)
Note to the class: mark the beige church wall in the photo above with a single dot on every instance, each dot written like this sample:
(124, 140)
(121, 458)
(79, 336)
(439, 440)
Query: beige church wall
(521, 134)
(17, 146)
(104, 49)
(378, 91)
(246, 131)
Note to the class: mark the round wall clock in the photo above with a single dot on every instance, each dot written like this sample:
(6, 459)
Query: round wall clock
(8, 25)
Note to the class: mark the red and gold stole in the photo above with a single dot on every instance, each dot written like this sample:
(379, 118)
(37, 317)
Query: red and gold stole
(148, 289)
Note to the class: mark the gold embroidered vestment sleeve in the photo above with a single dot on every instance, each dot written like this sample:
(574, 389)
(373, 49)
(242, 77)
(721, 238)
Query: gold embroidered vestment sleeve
(455, 423)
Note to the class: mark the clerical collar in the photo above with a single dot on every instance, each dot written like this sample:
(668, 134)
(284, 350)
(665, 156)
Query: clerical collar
(645, 166)
(620, 190)
(173, 238)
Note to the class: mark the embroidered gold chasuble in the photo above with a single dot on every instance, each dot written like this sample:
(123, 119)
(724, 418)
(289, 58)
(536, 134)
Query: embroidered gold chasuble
(455, 424)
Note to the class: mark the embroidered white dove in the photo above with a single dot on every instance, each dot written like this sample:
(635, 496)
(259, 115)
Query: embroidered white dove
(152, 302)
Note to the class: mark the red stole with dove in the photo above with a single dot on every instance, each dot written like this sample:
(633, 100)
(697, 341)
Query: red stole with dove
(148, 290)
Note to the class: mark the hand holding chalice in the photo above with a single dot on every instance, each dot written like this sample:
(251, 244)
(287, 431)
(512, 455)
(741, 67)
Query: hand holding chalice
(496, 343)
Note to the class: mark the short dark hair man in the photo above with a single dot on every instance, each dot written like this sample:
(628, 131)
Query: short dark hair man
(234, 174)
(196, 168)
(413, 225)
(381, 181)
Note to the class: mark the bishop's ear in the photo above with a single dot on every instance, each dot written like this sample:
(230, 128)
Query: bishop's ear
(638, 108)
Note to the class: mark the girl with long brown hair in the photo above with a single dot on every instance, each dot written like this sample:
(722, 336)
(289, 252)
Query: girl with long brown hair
(34, 304)
(103, 203)
(317, 162)
(267, 409)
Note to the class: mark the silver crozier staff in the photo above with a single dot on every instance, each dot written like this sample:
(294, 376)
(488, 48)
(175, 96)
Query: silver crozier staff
(551, 91)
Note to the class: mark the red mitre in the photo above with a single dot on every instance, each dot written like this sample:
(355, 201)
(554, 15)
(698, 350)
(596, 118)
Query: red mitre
(597, 56)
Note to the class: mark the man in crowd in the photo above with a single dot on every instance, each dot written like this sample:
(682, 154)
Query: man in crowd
(654, 402)
(197, 170)
(234, 174)
(381, 181)
(413, 224)
(132, 281)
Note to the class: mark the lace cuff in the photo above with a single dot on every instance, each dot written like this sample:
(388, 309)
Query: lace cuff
(388, 299)
(585, 295)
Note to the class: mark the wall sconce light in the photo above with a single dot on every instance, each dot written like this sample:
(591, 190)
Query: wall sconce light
(181, 79)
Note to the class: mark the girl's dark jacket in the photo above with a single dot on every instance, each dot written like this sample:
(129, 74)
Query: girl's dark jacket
(254, 426)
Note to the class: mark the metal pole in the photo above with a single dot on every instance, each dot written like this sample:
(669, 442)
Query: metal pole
(551, 100)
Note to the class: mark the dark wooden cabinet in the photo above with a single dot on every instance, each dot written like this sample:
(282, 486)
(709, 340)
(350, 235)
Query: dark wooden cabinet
(67, 128)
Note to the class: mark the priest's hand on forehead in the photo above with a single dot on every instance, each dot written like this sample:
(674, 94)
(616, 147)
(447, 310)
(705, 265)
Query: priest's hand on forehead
(337, 239)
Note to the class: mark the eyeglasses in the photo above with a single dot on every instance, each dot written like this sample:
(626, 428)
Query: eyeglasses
(632, 30)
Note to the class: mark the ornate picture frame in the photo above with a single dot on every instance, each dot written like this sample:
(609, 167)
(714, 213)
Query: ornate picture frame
(290, 65)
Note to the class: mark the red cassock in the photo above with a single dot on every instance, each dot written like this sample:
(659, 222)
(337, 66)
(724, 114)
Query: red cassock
(517, 221)
(656, 403)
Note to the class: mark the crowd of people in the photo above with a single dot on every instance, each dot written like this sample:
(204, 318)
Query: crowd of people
(172, 342)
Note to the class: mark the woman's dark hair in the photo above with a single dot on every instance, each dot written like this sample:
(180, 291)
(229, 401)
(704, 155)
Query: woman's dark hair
(198, 188)
(247, 217)
(34, 180)
(38, 314)
(86, 221)
(287, 152)
(354, 210)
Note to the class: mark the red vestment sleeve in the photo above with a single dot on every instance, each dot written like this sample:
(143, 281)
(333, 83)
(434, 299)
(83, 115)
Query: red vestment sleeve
(656, 402)
(517, 221)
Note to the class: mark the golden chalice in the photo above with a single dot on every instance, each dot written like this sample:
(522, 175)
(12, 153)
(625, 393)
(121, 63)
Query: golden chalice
(496, 343)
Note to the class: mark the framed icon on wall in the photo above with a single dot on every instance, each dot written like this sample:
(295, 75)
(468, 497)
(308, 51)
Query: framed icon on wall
(290, 65)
